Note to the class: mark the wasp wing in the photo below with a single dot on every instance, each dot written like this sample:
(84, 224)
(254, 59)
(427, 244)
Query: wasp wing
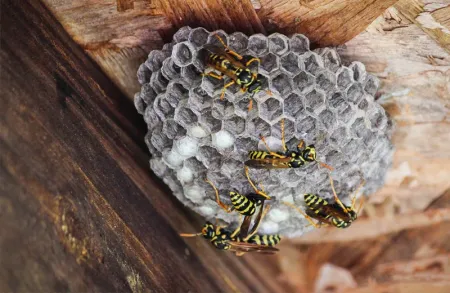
(272, 163)
(252, 247)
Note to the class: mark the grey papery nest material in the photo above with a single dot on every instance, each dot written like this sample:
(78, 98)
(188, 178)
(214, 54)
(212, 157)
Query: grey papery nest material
(193, 135)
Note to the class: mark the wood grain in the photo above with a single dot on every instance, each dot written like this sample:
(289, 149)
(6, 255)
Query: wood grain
(325, 23)
(80, 211)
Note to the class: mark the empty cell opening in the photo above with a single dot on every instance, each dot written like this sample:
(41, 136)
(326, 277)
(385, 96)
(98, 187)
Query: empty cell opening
(148, 94)
(173, 130)
(307, 125)
(191, 74)
(328, 119)
(335, 159)
(270, 109)
(211, 84)
(314, 99)
(258, 44)
(304, 81)
(269, 63)
(246, 144)
(326, 81)
(358, 127)
(222, 109)
(155, 60)
(278, 44)
(235, 125)
(182, 34)
(299, 44)
(355, 93)
(331, 60)
(170, 70)
(258, 126)
(163, 107)
(185, 116)
(290, 64)
(158, 82)
(377, 120)
(198, 36)
(175, 93)
(211, 123)
(150, 117)
(293, 104)
(182, 54)
(143, 74)
(337, 101)
(194, 165)
(199, 99)
(210, 157)
(231, 167)
(289, 129)
(281, 84)
(371, 85)
(359, 71)
(339, 136)
(364, 104)
(312, 64)
(238, 42)
(344, 78)
(159, 140)
(346, 114)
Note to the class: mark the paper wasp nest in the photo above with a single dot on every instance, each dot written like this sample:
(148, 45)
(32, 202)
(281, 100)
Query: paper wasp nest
(193, 135)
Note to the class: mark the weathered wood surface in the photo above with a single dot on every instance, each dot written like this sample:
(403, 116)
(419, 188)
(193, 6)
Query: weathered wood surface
(80, 210)
(119, 34)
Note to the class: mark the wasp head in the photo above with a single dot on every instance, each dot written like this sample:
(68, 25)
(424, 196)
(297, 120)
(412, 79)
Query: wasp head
(352, 214)
(245, 76)
(208, 231)
(309, 153)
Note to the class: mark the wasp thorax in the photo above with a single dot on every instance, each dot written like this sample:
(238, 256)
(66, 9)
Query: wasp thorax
(208, 231)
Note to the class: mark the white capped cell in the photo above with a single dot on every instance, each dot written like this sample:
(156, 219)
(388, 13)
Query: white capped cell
(173, 159)
(195, 193)
(187, 146)
(222, 139)
(278, 215)
(198, 131)
(185, 175)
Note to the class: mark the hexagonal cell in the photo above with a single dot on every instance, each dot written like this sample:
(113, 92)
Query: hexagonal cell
(281, 83)
(358, 126)
(199, 99)
(359, 71)
(377, 118)
(147, 94)
(185, 116)
(160, 140)
(167, 48)
(186, 146)
(139, 103)
(269, 64)
(230, 167)
(340, 136)
(235, 125)
(370, 140)
(182, 34)
(299, 43)
(209, 122)
(158, 167)
(241, 107)
(313, 63)
(315, 101)
(326, 81)
(306, 125)
(352, 148)
(183, 53)
(222, 109)
(143, 74)
(337, 101)
(289, 129)
(175, 93)
(172, 129)
(278, 44)
(344, 77)
(194, 165)
(173, 159)
(292, 105)
(371, 84)
(211, 85)
(289, 63)
(198, 37)
(328, 119)
(238, 42)
(151, 118)
(331, 59)
(270, 109)
(191, 75)
(222, 140)
(155, 60)
(355, 93)
(162, 107)
(210, 157)
(257, 127)
(170, 70)
(364, 104)
(304, 82)
(246, 144)
(335, 159)
(346, 113)
(213, 40)
(258, 45)
(158, 82)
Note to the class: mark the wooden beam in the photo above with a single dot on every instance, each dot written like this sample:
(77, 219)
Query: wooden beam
(325, 23)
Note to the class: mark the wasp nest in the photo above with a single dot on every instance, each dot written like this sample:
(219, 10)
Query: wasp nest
(193, 135)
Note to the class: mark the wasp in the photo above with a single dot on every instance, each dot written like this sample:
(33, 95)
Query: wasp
(244, 204)
(336, 214)
(231, 64)
(286, 159)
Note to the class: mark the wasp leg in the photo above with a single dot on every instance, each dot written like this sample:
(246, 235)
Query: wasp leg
(238, 229)
(325, 165)
(255, 228)
(212, 74)
(336, 198)
(283, 142)
(355, 193)
(257, 191)
(263, 139)
(300, 144)
(253, 60)
(190, 235)
(239, 57)
(250, 105)
(302, 212)
(225, 88)
(219, 202)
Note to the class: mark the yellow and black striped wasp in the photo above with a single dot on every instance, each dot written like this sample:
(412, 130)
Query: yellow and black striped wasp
(336, 214)
(244, 204)
(231, 64)
(286, 159)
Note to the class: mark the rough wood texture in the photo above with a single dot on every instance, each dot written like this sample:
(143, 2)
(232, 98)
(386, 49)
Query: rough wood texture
(118, 34)
(80, 211)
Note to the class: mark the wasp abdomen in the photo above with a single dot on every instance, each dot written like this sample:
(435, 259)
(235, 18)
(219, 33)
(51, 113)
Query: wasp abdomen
(242, 204)
(267, 240)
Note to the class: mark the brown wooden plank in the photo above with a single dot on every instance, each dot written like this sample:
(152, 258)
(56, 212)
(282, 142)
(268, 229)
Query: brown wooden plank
(80, 211)
(325, 23)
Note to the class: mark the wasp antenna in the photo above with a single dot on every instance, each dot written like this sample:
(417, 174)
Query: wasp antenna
(190, 235)
(335, 195)
(301, 212)
(325, 166)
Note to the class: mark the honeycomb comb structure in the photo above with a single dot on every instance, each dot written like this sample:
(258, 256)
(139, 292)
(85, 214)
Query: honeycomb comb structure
(193, 135)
